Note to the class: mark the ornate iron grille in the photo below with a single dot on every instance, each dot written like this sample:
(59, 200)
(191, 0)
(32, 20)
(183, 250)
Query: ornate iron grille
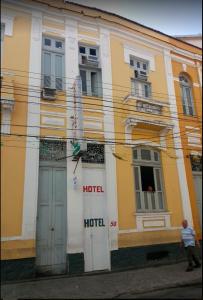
(52, 150)
(94, 154)
(196, 163)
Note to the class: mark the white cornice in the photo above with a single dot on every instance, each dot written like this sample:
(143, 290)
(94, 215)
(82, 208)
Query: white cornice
(149, 41)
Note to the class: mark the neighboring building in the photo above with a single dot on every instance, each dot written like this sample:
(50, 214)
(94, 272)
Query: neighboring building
(193, 39)
(121, 204)
(187, 72)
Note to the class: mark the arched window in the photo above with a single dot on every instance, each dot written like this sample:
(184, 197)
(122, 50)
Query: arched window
(187, 99)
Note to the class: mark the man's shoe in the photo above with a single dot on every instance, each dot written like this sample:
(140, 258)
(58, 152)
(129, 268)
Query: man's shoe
(197, 266)
(189, 269)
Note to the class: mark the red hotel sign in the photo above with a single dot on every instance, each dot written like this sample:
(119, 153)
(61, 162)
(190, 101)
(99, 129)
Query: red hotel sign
(92, 189)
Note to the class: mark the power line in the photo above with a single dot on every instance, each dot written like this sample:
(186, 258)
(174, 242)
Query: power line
(93, 104)
(105, 83)
(91, 140)
(104, 100)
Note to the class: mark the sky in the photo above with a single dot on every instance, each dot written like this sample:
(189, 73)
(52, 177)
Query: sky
(173, 17)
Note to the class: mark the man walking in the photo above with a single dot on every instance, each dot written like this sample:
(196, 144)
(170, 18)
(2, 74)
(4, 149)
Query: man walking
(188, 240)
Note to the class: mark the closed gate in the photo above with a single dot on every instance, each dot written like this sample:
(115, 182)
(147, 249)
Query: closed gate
(96, 241)
(51, 218)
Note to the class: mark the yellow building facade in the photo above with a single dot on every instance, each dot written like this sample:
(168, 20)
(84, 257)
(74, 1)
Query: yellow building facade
(95, 149)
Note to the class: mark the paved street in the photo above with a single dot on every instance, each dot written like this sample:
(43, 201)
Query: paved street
(109, 285)
(186, 292)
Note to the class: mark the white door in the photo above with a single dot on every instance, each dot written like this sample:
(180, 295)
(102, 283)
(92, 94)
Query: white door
(96, 241)
(198, 189)
(51, 221)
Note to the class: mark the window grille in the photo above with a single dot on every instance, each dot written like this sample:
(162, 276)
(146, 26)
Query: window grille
(94, 154)
(52, 150)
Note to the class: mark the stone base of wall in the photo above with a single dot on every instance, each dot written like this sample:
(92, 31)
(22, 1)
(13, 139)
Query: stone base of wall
(121, 259)
(146, 256)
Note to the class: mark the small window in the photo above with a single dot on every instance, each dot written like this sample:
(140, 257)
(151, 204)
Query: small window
(138, 64)
(144, 67)
(94, 154)
(156, 156)
(145, 154)
(93, 52)
(58, 44)
(82, 49)
(47, 42)
(131, 62)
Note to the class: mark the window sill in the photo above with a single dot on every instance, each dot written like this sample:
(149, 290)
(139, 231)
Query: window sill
(92, 97)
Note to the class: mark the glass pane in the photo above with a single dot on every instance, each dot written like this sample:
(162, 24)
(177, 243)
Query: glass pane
(190, 109)
(58, 45)
(2, 31)
(160, 200)
(146, 91)
(47, 42)
(146, 200)
(84, 81)
(138, 200)
(59, 84)
(156, 156)
(131, 62)
(94, 83)
(153, 200)
(158, 179)
(135, 154)
(47, 81)
(145, 154)
(137, 185)
(82, 49)
(188, 96)
(93, 52)
(144, 67)
(196, 162)
(138, 64)
(58, 65)
(47, 63)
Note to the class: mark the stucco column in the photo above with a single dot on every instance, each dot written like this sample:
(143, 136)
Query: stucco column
(177, 141)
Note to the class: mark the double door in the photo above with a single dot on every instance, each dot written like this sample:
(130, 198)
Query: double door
(51, 220)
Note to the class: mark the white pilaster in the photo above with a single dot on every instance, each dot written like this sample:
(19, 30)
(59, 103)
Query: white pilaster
(111, 185)
(74, 195)
(33, 119)
(177, 141)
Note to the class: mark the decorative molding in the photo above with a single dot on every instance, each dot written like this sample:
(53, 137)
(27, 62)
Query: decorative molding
(53, 121)
(88, 38)
(33, 129)
(57, 32)
(11, 238)
(52, 113)
(182, 60)
(93, 125)
(140, 53)
(111, 183)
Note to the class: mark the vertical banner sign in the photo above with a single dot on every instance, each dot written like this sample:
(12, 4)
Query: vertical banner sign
(77, 122)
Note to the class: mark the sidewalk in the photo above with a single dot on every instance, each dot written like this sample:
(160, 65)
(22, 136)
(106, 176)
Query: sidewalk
(108, 285)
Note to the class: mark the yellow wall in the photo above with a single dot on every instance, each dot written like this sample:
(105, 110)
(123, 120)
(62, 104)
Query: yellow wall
(13, 148)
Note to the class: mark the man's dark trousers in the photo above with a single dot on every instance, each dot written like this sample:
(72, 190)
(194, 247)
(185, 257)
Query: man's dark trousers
(192, 256)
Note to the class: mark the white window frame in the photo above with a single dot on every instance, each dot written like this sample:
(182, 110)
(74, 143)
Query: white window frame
(138, 90)
(89, 91)
(145, 197)
(186, 86)
(53, 52)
